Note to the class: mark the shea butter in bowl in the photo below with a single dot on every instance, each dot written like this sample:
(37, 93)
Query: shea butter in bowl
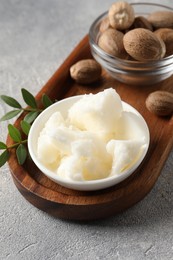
(89, 142)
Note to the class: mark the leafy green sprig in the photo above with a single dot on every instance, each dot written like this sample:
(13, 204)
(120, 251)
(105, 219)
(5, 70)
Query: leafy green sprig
(32, 111)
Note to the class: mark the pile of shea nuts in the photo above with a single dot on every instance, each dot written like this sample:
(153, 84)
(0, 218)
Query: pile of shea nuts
(136, 38)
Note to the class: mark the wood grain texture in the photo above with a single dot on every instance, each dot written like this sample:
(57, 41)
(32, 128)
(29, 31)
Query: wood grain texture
(78, 205)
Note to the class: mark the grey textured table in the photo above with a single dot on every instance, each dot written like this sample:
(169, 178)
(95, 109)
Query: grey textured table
(35, 38)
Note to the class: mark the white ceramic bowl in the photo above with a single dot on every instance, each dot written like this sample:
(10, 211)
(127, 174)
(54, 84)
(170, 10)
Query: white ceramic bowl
(63, 107)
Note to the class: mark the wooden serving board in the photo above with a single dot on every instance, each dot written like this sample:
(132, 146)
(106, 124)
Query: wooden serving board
(78, 205)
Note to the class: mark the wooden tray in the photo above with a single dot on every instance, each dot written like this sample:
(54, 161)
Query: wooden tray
(75, 205)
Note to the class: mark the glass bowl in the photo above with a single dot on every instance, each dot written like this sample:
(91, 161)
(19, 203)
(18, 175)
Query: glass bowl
(127, 71)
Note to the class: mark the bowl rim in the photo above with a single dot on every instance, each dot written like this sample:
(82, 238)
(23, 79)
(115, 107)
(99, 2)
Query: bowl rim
(87, 185)
(112, 59)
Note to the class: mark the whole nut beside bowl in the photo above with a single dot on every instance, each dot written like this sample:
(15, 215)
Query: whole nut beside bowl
(160, 103)
(86, 71)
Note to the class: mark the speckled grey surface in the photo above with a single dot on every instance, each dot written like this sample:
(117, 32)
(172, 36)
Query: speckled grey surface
(35, 38)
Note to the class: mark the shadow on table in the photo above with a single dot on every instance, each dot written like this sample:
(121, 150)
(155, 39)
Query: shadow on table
(156, 207)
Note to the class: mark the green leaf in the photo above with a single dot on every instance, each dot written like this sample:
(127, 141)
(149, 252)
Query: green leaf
(4, 157)
(25, 127)
(21, 153)
(10, 101)
(46, 101)
(29, 98)
(2, 146)
(14, 133)
(10, 115)
(31, 116)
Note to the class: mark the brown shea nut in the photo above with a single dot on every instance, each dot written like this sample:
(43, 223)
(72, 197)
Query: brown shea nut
(166, 35)
(104, 25)
(161, 19)
(86, 71)
(160, 103)
(142, 22)
(111, 41)
(121, 15)
(143, 45)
